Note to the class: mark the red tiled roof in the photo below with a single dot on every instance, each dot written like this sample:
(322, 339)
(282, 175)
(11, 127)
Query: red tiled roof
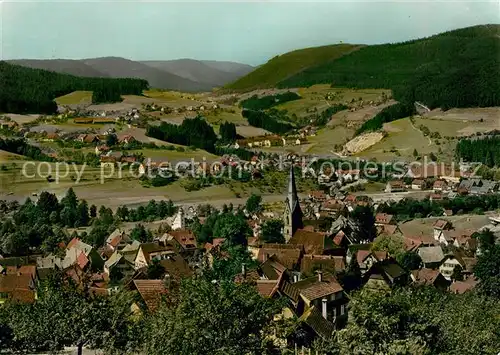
(383, 218)
(339, 237)
(72, 243)
(325, 262)
(185, 238)
(313, 242)
(460, 287)
(82, 261)
(287, 254)
(425, 276)
(313, 289)
(440, 224)
(151, 292)
(18, 287)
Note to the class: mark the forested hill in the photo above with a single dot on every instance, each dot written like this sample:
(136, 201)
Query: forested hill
(27, 90)
(283, 66)
(458, 68)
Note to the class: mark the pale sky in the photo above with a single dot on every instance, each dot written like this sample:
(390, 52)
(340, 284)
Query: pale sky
(247, 32)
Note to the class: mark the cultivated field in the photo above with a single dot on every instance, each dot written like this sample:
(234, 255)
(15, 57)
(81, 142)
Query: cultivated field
(75, 98)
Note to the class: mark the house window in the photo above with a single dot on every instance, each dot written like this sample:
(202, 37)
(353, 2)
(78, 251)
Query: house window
(334, 312)
(4, 295)
(342, 309)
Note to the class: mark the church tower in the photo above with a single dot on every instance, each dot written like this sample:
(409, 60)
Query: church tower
(292, 217)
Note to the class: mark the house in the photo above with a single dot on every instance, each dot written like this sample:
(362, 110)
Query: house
(51, 137)
(120, 265)
(126, 139)
(449, 263)
(395, 186)
(316, 243)
(326, 263)
(431, 256)
(384, 275)
(413, 242)
(460, 287)
(334, 207)
(101, 149)
(384, 219)
(366, 258)
(184, 240)
(151, 292)
(117, 240)
(289, 255)
(90, 258)
(448, 237)
(440, 186)
(418, 184)
(323, 292)
(8, 124)
(148, 252)
(429, 277)
(88, 138)
(18, 287)
(318, 196)
(388, 229)
(439, 226)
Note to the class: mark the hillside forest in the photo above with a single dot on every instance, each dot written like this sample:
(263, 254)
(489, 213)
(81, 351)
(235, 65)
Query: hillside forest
(26, 90)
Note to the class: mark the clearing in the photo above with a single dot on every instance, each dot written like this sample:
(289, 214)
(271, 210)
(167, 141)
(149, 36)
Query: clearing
(75, 98)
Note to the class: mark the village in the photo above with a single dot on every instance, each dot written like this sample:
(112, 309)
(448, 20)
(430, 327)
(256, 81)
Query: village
(320, 242)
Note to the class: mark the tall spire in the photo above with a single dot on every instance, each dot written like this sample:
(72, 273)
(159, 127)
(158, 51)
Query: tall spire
(292, 190)
(292, 217)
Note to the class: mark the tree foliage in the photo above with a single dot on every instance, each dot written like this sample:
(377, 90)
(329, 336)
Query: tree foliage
(454, 69)
(227, 132)
(211, 318)
(266, 121)
(192, 132)
(266, 102)
(27, 90)
(485, 150)
(271, 231)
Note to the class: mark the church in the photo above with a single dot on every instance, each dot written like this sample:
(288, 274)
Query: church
(292, 217)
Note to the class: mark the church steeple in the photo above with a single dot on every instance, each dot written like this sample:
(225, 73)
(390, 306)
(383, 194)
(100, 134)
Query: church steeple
(292, 218)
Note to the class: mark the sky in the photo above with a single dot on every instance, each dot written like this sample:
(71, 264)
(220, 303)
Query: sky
(248, 32)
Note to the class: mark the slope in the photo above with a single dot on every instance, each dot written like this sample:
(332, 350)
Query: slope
(281, 67)
(123, 68)
(458, 68)
(64, 66)
(229, 67)
(193, 70)
(28, 90)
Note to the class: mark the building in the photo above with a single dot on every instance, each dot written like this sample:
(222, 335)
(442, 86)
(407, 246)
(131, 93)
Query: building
(384, 219)
(395, 186)
(431, 256)
(448, 265)
(292, 217)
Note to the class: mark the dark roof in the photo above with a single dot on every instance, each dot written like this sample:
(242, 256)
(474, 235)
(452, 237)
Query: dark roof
(290, 291)
(311, 288)
(18, 287)
(322, 327)
(272, 268)
(313, 242)
(286, 254)
(323, 262)
(176, 266)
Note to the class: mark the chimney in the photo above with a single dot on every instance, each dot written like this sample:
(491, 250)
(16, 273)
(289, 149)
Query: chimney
(323, 307)
(320, 275)
(244, 270)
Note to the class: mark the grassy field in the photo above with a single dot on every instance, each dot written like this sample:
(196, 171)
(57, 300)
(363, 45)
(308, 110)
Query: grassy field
(288, 64)
(74, 98)
(328, 137)
(173, 155)
(401, 140)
